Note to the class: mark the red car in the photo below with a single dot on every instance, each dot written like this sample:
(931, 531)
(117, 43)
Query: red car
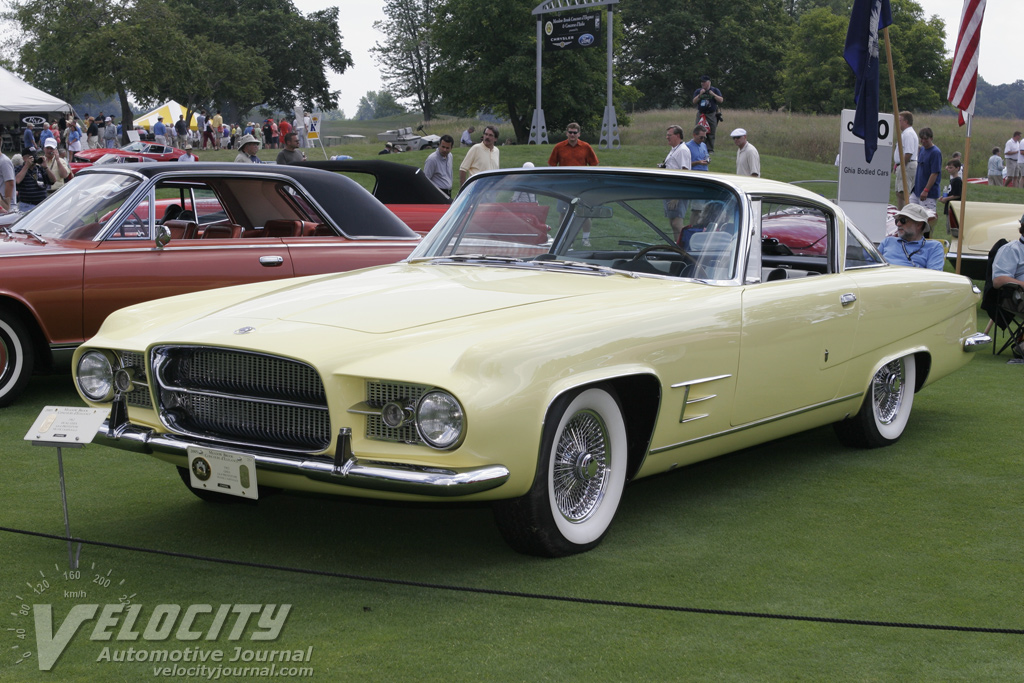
(113, 156)
(150, 150)
(97, 246)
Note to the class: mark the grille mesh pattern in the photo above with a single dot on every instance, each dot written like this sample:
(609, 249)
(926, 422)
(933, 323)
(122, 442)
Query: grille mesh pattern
(139, 396)
(243, 398)
(252, 375)
(260, 422)
(379, 393)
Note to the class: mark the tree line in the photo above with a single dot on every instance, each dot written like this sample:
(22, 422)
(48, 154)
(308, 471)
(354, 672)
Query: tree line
(460, 57)
(216, 54)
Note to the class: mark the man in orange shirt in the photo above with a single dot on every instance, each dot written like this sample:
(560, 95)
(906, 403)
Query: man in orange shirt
(572, 151)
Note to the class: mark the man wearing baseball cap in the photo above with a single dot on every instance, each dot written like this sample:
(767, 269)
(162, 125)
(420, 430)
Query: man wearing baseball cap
(748, 161)
(909, 247)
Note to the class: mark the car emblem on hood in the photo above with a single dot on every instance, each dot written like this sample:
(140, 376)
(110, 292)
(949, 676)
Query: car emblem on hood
(245, 330)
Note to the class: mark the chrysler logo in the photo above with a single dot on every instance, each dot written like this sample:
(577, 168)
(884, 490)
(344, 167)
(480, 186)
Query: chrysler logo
(245, 330)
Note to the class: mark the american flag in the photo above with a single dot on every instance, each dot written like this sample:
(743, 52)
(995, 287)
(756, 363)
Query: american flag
(963, 79)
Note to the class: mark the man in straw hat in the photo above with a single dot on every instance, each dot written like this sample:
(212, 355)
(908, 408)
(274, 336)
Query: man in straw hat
(247, 148)
(909, 247)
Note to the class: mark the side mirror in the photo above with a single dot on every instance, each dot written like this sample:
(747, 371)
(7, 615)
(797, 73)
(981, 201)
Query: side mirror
(163, 236)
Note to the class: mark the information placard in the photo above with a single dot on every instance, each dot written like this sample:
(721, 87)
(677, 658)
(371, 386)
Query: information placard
(67, 424)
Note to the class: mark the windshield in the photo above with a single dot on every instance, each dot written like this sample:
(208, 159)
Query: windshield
(676, 225)
(82, 207)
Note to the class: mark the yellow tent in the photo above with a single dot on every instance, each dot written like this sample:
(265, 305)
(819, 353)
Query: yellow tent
(170, 110)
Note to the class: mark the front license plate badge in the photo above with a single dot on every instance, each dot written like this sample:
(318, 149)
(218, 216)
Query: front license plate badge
(217, 471)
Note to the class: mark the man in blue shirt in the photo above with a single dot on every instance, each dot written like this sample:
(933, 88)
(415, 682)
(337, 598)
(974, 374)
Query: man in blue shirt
(909, 247)
(160, 131)
(926, 181)
(699, 156)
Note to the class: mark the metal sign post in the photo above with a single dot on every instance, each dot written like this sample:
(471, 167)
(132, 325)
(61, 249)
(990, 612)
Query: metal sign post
(66, 427)
(578, 31)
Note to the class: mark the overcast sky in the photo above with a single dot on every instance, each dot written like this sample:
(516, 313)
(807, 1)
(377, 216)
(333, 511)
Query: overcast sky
(999, 60)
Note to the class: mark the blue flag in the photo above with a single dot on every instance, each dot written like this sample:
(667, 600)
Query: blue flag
(861, 53)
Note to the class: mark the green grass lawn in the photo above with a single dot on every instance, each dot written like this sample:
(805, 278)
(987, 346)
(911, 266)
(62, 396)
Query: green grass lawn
(925, 532)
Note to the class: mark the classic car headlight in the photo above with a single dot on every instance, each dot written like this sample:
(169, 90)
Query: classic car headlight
(96, 375)
(439, 419)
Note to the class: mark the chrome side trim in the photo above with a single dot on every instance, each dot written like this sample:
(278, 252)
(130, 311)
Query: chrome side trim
(367, 474)
(757, 423)
(699, 381)
(687, 401)
(975, 341)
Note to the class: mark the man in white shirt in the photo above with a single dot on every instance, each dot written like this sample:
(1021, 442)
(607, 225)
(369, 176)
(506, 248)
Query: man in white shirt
(483, 156)
(6, 184)
(909, 138)
(748, 160)
(1011, 154)
(678, 158)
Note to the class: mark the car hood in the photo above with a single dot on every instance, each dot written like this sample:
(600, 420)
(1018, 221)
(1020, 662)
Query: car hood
(405, 296)
(22, 244)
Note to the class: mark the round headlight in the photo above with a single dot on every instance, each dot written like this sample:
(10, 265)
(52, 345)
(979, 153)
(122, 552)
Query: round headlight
(439, 419)
(96, 376)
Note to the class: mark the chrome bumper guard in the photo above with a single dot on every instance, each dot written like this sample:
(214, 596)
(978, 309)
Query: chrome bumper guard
(976, 341)
(344, 469)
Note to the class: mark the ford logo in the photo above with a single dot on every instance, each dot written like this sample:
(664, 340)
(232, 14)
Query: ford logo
(585, 40)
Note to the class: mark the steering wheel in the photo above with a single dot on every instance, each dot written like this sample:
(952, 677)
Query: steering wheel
(698, 270)
(665, 247)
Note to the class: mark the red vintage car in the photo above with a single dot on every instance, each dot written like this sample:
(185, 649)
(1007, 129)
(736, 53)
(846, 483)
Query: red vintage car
(150, 150)
(118, 235)
(113, 156)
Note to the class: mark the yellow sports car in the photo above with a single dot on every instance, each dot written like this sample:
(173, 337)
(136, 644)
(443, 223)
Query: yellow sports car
(559, 333)
(986, 223)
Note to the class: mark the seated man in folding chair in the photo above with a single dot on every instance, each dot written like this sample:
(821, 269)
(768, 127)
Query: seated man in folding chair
(1008, 272)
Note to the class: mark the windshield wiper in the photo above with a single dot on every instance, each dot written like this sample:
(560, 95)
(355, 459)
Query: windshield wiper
(472, 258)
(33, 233)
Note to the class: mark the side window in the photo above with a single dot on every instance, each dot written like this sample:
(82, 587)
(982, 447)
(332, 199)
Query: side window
(860, 252)
(135, 226)
(798, 239)
(208, 208)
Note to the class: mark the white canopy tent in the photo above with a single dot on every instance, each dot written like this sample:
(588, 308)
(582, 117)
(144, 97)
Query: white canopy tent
(21, 99)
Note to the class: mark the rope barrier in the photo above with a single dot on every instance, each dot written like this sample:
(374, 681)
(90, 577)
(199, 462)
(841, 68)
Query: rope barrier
(520, 594)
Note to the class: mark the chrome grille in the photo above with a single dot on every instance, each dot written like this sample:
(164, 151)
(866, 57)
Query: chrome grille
(379, 393)
(139, 396)
(242, 398)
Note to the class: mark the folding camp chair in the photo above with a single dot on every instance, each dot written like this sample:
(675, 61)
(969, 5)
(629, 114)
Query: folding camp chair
(1005, 306)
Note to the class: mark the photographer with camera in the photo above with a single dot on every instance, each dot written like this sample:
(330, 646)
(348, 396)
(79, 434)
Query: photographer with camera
(32, 178)
(707, 98)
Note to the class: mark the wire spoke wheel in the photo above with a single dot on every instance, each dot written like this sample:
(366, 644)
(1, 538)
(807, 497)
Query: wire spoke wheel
(581, 466)
(887, 391)
(581, 473)
(886, 408)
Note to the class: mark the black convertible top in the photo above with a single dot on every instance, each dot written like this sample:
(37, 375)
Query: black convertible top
(350, 206)
(395, 183)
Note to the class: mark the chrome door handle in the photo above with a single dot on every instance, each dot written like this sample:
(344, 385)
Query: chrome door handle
(847, 299)
(271, 261)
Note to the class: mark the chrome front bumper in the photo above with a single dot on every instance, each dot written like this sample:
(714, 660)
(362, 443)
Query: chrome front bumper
(344, 469)
(976, 341)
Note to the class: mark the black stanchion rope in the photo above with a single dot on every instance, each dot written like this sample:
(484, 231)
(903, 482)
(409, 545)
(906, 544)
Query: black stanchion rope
(520, 594)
